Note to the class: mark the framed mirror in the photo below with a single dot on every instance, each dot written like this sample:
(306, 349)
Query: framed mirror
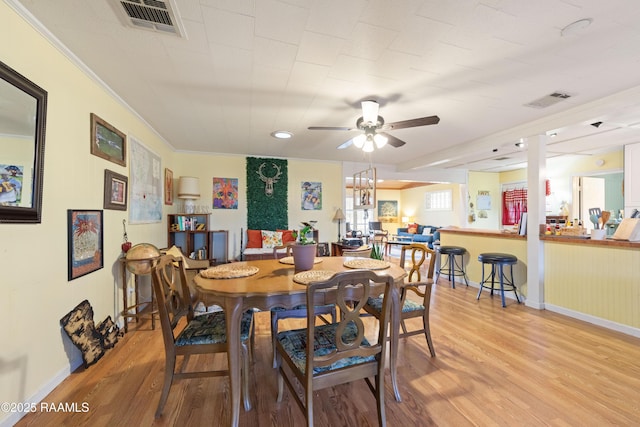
(23, 113)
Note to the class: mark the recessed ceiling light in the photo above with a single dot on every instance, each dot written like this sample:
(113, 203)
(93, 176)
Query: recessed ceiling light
(281, 134)
(575, 27)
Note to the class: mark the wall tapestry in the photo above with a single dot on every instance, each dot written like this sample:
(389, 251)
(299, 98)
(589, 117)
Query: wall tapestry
(388, 210)
(311, 199)
(11, 177)
(267, 195)
(145, 203)
(225, 193)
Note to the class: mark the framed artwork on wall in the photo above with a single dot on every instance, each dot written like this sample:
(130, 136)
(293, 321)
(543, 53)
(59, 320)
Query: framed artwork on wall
(107, 141)
(145, 204)
(388, 210)
(84, 242)
(115, 191)
(225, 193)
(311, 199)
(168, 186)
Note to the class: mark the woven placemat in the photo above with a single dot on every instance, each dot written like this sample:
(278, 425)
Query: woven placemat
(229, 271)
(367, 264)
(289, 260)
(306, 277)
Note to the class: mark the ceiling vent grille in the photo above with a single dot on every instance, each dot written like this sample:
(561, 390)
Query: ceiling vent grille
(154, 15)
(548, 100)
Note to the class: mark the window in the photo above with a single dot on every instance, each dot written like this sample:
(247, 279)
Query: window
(438, 200)
(358, 219)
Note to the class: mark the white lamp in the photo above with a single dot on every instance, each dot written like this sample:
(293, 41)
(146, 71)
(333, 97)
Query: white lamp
(189, 190)
(339, 216)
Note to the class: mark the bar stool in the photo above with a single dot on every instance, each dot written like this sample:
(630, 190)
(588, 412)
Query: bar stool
(498, 260)
(451, 266)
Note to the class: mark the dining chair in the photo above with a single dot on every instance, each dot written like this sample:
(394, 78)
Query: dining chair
(361, 252)
(185, 334)
(341, 352)
(414, 286)
(297, 312)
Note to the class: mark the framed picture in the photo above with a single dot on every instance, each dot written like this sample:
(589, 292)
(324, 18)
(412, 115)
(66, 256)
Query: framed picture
(311, 199)
(168, 186)
(387, 210)
(107, 141)
(115, 191)
(225, 193)
(145, 173)
(85, 252)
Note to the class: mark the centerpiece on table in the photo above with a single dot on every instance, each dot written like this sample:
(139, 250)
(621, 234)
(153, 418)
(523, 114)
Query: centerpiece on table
(304, 250)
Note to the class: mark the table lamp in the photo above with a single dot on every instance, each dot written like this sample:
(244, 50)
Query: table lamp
(189, 190)
(339, 216)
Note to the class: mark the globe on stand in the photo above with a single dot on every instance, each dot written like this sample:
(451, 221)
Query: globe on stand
(141, 257)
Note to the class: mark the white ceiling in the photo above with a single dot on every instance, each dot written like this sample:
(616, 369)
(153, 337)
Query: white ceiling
(248, 67)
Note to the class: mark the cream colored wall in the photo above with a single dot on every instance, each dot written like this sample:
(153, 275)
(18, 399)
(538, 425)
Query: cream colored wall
(485, 182)
(36, 293)
(396, 195)
(412, 204)
(35, 353)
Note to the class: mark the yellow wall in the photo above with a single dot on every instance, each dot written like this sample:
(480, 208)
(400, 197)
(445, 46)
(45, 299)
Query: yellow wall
(412, 204)
(599, 281)
(35, 353)
(488, 219)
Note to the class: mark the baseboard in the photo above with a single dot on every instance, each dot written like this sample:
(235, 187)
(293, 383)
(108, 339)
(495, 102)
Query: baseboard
(614, 326)
(39, 396)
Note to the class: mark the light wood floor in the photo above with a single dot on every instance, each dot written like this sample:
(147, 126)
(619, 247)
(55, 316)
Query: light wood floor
(494, 367)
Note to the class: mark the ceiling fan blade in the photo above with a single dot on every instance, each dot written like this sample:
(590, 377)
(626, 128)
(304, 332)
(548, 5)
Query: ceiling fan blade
(422, 121)
(345, 144)
(329, 128)
(392, 140)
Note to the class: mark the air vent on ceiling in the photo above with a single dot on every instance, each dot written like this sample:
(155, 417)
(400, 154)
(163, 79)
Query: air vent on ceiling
(502, 158)
(154, 15)
(548, 100)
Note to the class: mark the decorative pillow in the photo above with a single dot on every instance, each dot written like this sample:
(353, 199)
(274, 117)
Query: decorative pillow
(427, 231)
(254, 239)
(287, 236)
(110, 332)
(177, 253)
(412, 229)
(271, 239)
(78, 324)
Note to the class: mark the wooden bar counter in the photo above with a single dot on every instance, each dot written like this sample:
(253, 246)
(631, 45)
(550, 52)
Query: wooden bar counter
(593, 280)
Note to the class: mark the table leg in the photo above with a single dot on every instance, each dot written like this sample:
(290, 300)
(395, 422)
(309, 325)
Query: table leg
(233, 314)
(395, 332)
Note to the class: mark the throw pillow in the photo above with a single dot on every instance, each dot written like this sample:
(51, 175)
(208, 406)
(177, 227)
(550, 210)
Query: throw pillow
(287, 236)
(254, 239)
(413, 228)
(271, 239)
(426, 231)
(78, 324)
(110, 332)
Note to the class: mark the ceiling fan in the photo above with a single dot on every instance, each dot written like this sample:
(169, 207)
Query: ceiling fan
(374, 128)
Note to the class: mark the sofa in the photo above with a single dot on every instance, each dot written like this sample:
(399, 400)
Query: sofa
(423, 233)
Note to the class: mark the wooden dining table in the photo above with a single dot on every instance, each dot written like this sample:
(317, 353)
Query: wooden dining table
(272, 286)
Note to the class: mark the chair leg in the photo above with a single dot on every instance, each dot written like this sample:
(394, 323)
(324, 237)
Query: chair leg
(244, 376)
(274, 332)
(382, 418)
(169, 368)
(427, 334)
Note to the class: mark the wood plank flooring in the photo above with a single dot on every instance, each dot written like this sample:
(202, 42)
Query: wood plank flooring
(494, 367)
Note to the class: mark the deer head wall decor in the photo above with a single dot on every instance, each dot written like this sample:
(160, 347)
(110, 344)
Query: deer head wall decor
(269, 181)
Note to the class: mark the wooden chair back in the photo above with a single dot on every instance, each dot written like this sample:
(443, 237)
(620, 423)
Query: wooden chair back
(340, 352)
(418, 254)
(360, 252)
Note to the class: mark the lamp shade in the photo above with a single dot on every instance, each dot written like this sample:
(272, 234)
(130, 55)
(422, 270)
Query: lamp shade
(339, 216)
(189, 187)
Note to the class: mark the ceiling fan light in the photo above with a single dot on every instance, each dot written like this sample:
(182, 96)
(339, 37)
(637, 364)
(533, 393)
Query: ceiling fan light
(380, 140)
(358, 141)
(368, 146)
(370, 111)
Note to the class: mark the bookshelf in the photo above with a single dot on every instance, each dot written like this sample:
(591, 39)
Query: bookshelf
(191, 233)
